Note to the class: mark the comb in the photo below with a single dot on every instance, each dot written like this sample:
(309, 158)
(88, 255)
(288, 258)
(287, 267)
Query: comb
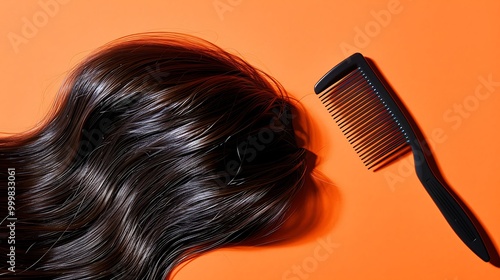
(380, 130)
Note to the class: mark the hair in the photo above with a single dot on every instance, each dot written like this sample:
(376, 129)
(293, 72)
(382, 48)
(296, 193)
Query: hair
(160, 147)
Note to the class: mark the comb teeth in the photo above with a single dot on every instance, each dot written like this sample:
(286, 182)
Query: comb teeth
(365, 119)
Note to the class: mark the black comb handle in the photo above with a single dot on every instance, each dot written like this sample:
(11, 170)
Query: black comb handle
(344, 82)
(449, 206)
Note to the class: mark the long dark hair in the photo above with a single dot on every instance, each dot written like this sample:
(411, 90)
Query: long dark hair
(160, 147)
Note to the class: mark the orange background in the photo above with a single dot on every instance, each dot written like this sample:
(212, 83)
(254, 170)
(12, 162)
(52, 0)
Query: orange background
(380, 225)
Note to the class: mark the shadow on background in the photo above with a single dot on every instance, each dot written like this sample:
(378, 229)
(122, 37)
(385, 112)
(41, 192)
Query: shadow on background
(314, 211)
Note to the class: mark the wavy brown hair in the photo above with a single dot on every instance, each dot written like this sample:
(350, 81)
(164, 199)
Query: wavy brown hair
(160, 147)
